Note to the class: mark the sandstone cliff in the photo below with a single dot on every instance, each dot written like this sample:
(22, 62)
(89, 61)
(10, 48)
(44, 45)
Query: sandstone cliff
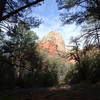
(53, 45)
(56, 38)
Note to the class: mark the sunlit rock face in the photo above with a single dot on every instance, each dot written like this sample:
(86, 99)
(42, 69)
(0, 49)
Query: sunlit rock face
(55, 39)
(53, 45)
(48, 47)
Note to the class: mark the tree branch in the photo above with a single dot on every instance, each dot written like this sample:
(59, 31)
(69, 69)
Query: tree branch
(19, 9)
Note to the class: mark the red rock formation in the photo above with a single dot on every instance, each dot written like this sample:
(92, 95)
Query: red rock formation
(55, 38)
(48, 47)
(53, 45)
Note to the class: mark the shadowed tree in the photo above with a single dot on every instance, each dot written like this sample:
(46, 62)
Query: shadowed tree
(79, 10)
(15, 11)
(18, 47)
(10, 8)
(91, 33)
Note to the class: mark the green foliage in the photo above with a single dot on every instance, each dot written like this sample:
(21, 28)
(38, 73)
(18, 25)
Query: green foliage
(83, 10)
(14, 11)
(27, 67)
(61, 67)
(43, 75)
(48, 72)
(46, 78)
(7, 73)
(17, 54)
(87, 70)
(90, 33)
(80, 11)
(22, 65)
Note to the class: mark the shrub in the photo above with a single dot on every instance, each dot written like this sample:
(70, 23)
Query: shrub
(46, 79)
(7, 73)
(87, 70)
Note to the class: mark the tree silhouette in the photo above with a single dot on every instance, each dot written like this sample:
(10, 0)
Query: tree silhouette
(79, 10)
(9, 8)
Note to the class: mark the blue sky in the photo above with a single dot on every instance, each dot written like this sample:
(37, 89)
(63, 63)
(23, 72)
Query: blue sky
(49, 13)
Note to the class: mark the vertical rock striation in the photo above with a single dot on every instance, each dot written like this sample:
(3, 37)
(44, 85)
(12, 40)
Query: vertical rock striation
(56, 39)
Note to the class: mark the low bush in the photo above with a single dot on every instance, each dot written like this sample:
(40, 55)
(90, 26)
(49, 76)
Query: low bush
(87, 70)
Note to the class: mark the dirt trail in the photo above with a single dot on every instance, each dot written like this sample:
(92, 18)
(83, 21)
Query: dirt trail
(62, 93)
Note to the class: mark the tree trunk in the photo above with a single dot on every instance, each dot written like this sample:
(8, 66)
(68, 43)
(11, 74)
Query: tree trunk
(2, 7)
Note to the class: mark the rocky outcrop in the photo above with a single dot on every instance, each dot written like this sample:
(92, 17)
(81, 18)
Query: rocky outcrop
(53, 45)
(55, 38)
(48, 47)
